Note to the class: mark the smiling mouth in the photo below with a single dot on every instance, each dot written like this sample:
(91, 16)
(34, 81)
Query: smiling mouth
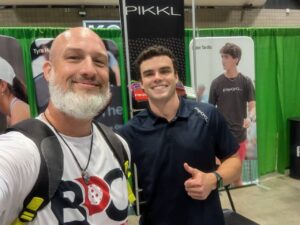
(160, 87)
(87, 83)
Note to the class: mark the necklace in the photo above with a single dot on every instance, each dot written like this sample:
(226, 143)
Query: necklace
(84, 174)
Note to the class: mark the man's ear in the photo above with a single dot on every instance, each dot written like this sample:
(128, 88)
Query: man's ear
(237, 60)
(141, 82)
(176, 77)
(47, 67)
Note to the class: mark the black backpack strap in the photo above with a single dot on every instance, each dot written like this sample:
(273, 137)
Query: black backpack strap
(120, 153)
(115, 144)
(51, 167)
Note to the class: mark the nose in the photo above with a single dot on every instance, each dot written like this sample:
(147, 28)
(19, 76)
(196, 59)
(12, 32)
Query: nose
(88, 69)
(157, 75)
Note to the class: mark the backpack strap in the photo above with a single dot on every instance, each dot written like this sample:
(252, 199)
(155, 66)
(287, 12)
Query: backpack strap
(115, 145)
(120, 153)
(51, 167)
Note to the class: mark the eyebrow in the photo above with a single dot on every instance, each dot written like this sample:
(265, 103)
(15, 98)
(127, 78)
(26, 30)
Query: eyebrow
(159, 69)
(165, 67)
(147, 71)
(79, 50)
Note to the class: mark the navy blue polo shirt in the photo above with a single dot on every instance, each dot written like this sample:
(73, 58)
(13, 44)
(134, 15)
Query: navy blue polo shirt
(159, 148)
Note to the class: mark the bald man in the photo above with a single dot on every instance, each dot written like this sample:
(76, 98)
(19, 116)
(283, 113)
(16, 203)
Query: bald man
(89, 191)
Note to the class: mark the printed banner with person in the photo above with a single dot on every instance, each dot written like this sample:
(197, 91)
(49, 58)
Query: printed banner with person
(14, 105)
(224, 76)
(149, 23)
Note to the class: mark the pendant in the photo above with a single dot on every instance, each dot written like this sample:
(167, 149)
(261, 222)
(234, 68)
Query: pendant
(86, 177)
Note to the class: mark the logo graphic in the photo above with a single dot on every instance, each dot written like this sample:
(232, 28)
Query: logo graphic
(201, 114)
(96, 195)
(75, 202)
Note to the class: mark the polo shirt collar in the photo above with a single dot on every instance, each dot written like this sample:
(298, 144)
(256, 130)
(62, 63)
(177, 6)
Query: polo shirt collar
(182, 112)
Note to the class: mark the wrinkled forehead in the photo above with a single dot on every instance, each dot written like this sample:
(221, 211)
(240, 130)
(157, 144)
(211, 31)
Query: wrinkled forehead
(78, 38)
(83, 35)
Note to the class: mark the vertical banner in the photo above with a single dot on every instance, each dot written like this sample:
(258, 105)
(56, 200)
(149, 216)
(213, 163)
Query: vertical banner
(39, 54)
(146, 23)
(112, 116)
(10, 50)
(215, 57)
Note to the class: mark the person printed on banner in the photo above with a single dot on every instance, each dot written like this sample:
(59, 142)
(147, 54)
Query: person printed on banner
(39, 53)
(234, 96)
(174, 142)
(13, 97)
(201, 96)
(114, 69)
(93, 188)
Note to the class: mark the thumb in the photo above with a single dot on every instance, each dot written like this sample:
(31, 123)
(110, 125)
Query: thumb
(190, 170)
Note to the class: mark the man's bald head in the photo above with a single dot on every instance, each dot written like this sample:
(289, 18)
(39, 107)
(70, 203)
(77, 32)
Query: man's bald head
(78, 75)
(78, 34)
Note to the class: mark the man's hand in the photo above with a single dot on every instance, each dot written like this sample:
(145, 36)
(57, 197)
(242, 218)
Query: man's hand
(200, 184)
(247, 123)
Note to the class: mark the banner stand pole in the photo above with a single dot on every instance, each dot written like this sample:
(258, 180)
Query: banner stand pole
(127, 55)
(194, 46)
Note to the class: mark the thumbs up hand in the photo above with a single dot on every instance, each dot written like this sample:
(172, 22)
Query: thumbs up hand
(200, 184)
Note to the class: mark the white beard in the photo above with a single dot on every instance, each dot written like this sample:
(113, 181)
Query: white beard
(80, 106)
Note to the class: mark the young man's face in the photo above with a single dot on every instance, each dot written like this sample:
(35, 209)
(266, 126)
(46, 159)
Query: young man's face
(158, 78)
(229, 62)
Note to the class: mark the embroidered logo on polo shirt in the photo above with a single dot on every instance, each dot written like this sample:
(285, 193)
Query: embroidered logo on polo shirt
(201, 114)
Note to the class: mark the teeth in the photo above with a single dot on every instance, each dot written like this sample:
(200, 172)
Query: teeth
(159, 87)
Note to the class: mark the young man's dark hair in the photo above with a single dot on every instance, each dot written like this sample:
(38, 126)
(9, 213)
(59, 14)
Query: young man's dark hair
(233, 50)
(155, 50)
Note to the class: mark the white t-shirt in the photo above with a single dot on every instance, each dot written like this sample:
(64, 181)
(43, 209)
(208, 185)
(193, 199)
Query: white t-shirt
(103, 201)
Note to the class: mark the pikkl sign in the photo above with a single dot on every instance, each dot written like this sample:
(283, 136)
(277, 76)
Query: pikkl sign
(146, 23)
(152, 10)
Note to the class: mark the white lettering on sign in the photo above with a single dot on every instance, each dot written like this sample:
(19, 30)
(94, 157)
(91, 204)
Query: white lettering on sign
(153, 10)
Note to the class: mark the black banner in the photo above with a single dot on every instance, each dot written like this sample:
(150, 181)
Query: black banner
(154, 22)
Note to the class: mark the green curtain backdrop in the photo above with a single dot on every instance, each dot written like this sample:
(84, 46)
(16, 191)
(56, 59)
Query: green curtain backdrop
(277, 56)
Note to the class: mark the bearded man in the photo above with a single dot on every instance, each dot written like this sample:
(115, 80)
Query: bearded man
(78, 77)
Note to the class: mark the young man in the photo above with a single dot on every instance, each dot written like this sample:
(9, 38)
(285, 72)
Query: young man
(233, 93)
(91, 191)
(174, 144)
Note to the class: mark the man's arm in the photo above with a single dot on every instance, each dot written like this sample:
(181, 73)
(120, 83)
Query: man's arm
(200, 184)
(251, 103)
(251, 114)
(19, 168)
(230, 169)
(252, 110)
(212, 99)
